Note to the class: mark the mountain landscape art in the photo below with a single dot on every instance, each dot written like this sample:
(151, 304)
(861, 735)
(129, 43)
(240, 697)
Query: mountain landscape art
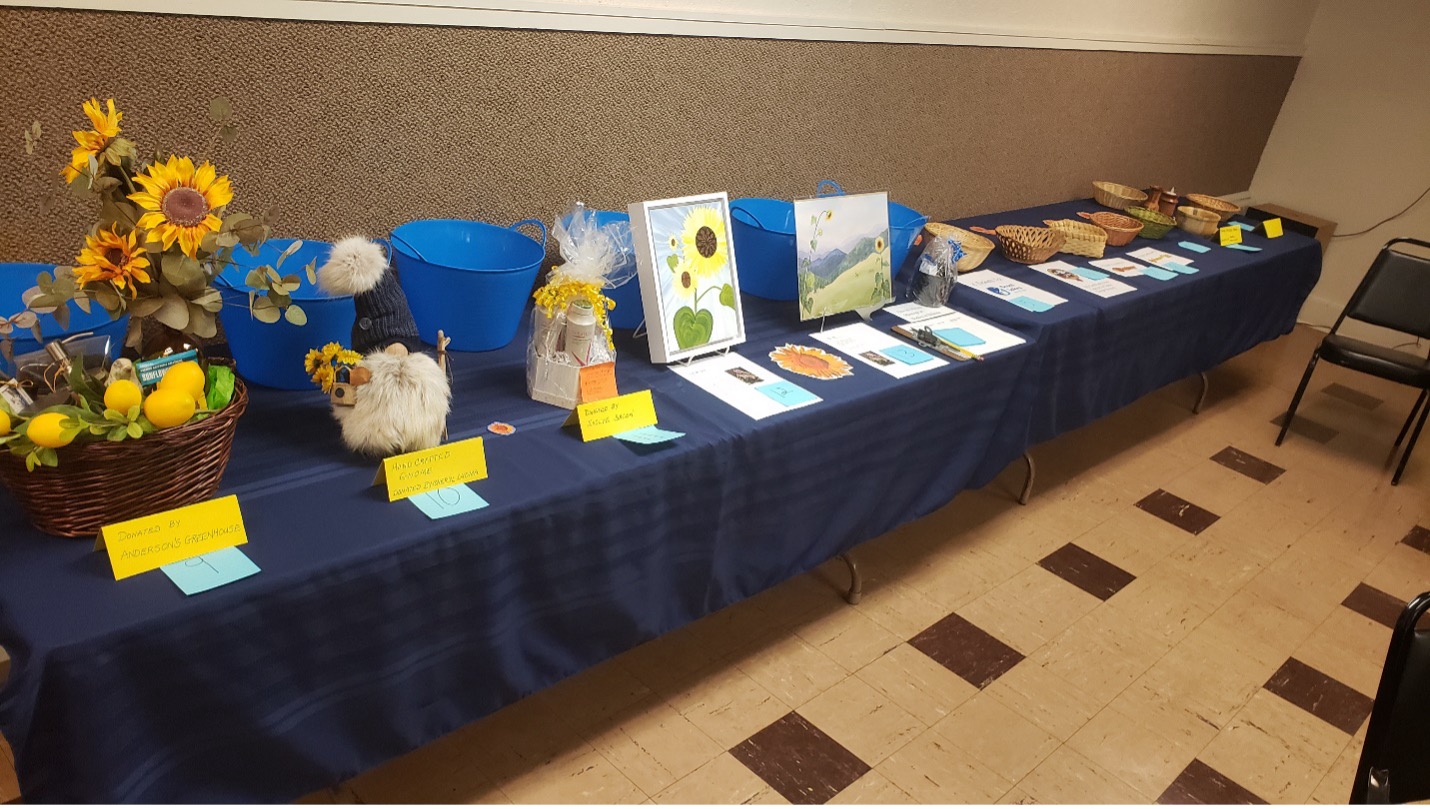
(843, 254)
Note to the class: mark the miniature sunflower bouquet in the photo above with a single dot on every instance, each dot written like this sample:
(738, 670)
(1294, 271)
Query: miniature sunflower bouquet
(152, 430)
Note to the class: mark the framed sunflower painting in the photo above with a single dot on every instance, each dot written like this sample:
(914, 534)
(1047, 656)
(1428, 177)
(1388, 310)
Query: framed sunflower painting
(687, 276)
(843, 254)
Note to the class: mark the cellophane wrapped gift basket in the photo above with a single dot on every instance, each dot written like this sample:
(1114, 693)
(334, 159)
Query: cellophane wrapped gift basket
(570, 326)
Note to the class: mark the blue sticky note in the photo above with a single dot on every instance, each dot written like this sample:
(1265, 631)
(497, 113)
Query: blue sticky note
(1159, 273)
(960, 337)
(1248, 248)
(1244, 226)
(787, 393)
(1091, 275)
(213, 569)
(1194, 247)
(448, 502)
(1184, 269)
(649, 435)
(1031, 304)
(908, 355)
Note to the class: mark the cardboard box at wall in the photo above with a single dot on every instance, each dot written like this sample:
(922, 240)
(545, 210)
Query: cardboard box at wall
(1303, 223)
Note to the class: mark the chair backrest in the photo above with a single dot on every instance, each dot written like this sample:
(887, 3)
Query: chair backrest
(1397, 744)
(1395, 292)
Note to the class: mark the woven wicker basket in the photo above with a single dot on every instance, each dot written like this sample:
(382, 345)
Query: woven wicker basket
(1154, 225)
(1223, 209)
(1079, 238)
(975, 247)
(1120, 229)
(1026, 245)
(1199, 221)
(102, 483)
(1116, 195)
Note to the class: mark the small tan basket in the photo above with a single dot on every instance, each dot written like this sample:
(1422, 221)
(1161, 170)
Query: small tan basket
(1116, 195)
(1199, 221)
(1120, 229)
(975, 247)
(1024, 244)
(1079, 238)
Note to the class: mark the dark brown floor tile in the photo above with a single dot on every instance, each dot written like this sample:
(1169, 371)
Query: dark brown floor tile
(1381, 607)
(1324, 697)
(1355, 397)
(1086, 570)
(1189, 517)
(1199, 783)
(966, 650)
(1418, 538)
(1248, 464)
(1313, 430)
(799, 760)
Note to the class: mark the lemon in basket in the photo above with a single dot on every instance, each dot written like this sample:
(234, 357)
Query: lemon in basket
(186, 376)
(4, 423)
(122, 394)
(169, 407)
(46, 430)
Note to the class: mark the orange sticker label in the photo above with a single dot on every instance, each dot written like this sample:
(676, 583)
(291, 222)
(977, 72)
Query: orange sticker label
(598, 382)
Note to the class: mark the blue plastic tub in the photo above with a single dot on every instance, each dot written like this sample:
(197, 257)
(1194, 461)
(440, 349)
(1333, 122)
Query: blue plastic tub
(470, 280)
(628, 313)
(15, 278)
(271, 354)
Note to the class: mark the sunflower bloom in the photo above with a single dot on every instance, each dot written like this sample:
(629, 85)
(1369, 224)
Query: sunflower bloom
(706, 245)
(92, 142)
(110, 256)
(815, 363)
(684, 281)
(179, 202)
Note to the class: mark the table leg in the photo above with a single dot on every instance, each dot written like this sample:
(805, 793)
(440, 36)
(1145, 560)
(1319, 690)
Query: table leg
(1028, 483)
(1201, 400)
(855, 593)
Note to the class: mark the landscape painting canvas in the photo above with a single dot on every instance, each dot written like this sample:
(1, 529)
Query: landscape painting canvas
(686, 266)
(843, 254)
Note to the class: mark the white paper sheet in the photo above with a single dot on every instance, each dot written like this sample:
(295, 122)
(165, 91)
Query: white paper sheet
(1001, 286)
(913, 312)
(1118, 266)
(1067, 273)
(1161, 258)
(895, 357)
(741, 389)
(994, 338)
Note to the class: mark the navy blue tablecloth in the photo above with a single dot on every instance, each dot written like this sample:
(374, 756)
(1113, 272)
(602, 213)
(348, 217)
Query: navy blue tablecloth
(373, 630)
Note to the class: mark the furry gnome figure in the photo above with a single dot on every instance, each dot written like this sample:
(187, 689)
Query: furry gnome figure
(400, 395)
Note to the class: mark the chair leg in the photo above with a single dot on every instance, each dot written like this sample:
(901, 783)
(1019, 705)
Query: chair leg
(1296, 399)
(1419, 403)
(1410, 447)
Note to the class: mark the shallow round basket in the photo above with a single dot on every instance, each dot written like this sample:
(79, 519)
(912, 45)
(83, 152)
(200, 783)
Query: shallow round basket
(1079, 238)
(1026, 245)
(1198, 221)
(975, 247)
(1120, 229)
(107, 482)
(1223, 209)
(1154, 225)
(1117, 195)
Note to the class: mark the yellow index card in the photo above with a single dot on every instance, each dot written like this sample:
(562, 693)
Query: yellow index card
(427, 470)
(146, 543)
(608, 417)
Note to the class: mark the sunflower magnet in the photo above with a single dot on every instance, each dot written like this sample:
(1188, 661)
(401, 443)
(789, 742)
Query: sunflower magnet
(815, 363)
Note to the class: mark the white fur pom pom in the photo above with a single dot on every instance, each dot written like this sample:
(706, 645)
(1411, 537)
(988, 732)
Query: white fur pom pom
(354, 266)
(402, 408)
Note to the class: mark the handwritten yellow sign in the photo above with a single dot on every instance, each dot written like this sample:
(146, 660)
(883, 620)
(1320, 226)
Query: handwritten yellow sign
(144, 544)
(1273, 227)
(608, 417)
(1231, 234)
(427, 470)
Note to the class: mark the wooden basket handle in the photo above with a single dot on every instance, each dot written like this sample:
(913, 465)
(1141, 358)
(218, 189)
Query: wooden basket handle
(1085, 215)
(977, 229)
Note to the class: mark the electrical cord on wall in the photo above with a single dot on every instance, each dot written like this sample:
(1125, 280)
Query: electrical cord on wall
(1403, 211)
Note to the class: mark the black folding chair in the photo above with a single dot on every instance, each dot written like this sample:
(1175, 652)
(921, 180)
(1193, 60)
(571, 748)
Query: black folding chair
(1395, 294)
(1395, 764)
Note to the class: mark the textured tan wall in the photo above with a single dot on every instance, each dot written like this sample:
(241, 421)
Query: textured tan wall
(357, 128)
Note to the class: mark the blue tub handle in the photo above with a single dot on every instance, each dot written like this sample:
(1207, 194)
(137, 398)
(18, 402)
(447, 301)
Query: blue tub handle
(405, 243)
(538, 223)
(734, 209)
(820, 192)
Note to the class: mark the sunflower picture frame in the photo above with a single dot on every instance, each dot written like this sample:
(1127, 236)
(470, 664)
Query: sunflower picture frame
(689, 283)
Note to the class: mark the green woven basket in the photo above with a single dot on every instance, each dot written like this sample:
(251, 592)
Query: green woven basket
(1154, 225)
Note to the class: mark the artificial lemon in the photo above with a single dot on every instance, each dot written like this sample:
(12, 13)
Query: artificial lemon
(45, 431)
(122, 395)
(185, 376)
(169, 407)
(4, 423)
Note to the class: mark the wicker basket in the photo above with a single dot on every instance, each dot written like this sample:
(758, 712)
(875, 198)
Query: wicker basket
(1199, 221)
(1120, 229)
(1116, 195)
(102, 483)
(1154, 225)
(975, 247)
(1223, 209)
(1026, 245)
(1079, 238)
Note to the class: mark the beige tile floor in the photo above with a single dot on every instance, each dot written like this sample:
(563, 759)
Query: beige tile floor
(795, 695)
